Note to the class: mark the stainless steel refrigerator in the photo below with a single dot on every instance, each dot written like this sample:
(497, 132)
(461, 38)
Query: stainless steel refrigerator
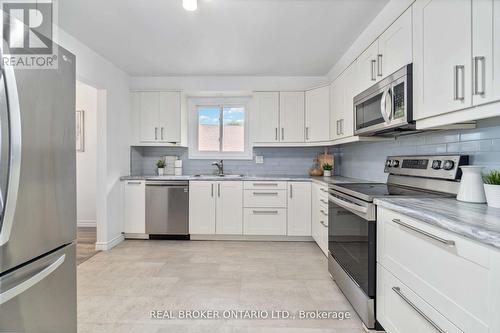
(38, 198)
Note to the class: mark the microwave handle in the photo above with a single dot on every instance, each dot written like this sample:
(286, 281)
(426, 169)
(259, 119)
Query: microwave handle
(384, 107)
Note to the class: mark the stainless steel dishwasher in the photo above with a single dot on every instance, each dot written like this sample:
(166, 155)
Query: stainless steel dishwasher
(167, 209)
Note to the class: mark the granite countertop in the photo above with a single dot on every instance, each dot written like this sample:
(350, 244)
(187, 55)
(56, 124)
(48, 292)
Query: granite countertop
(321, 180)
(474, 221)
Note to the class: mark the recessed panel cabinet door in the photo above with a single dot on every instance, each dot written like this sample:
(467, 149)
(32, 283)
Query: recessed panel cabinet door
(266, 117)
(442, 56)
(299, 209)
(395, 46)
(149, 106)
(485, 51)
(229, 208)
(134, 203)
(292, 116)
(318, 114)
(170, 117)
(202, 207)
(366, 66)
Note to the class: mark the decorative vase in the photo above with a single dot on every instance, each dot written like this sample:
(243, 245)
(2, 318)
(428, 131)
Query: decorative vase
(471, 186)
(327, 173)
(492, 195)
(161, 171)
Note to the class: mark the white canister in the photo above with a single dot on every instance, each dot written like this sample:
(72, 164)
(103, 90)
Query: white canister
(492, 195)
(471, 186)
(178, 172)
(161, 171)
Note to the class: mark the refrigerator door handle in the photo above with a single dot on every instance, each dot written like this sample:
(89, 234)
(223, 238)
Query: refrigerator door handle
(15, 152)
(31, 281)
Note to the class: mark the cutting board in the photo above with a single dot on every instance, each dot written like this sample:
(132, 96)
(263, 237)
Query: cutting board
(325, 158)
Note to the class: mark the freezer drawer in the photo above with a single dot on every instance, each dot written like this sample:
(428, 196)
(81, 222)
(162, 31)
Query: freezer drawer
(40, 297)
(167, 208)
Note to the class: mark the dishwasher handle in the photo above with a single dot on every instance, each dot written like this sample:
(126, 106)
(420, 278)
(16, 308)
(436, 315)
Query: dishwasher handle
(167, 183)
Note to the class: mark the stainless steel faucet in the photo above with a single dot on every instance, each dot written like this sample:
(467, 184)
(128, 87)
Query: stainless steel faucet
(220, 167)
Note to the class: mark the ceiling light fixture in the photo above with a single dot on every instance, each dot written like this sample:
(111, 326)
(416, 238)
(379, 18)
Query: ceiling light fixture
(190, 5)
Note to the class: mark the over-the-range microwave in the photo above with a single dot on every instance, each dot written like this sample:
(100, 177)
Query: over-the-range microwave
(386, 107)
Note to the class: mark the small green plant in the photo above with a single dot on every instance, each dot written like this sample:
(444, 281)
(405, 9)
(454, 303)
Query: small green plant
(327, 167)
(160, 164)
(492, 177)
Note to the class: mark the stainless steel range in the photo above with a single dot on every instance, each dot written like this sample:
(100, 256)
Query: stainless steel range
(352, 220)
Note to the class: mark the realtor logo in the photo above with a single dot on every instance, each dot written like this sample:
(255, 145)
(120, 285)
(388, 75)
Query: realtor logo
(27, 31)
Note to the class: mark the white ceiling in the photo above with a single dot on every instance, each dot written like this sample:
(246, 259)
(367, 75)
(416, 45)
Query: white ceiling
(223, 37)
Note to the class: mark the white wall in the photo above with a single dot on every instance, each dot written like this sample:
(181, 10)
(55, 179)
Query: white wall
(112, 134)
(86, 162)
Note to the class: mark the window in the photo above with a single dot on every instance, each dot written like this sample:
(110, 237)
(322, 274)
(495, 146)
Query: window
(219, 129)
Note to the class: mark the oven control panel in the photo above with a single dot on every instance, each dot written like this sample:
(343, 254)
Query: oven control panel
(437, 166)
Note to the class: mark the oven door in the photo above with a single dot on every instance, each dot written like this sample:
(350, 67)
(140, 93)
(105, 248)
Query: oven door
(351, 239)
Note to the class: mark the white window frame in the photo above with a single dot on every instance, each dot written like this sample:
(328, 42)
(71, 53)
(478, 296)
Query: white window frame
(194, 104)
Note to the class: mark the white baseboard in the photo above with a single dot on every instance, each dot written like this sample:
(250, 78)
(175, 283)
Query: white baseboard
(86, 223)
(253, 238)
(105, 246)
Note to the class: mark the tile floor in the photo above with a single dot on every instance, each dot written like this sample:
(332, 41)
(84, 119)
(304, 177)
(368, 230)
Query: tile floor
(117, 289)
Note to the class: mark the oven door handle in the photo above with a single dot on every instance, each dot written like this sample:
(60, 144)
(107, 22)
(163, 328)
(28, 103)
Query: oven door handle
(383, 106)
(348, 205)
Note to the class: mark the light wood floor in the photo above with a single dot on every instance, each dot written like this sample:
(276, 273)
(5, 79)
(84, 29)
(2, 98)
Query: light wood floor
(85, 244)
(117, 289)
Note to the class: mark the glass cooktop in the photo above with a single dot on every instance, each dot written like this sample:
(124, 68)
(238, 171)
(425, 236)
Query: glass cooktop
(368, 191)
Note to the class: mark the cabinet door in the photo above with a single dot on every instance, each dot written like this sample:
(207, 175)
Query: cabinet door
(485, 51)
(366, 66)
(318, 114)
(336, 107)
(292, 114)
(299, 209)
(229, 208)
(150, 105)
(266, 117)
(350, 84)
(314, 212)
(395, 46)
(170, 117)
(202, 207)
(134, 207)
(442, 56)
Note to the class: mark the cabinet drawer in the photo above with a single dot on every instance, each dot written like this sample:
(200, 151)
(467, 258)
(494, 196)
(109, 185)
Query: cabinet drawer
(400, 310)
(439, 266)
(264, 221)
(264, 198)
(265, 185)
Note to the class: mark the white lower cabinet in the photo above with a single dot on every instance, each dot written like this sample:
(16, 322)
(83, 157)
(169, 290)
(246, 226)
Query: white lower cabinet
(265, 221)
(134, 219)
(319, 216)
(299, 209)
(216, 207)
(431, 277)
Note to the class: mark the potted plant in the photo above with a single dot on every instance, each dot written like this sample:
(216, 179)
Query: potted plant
(492, 188)
(327, 170)
(160, 164)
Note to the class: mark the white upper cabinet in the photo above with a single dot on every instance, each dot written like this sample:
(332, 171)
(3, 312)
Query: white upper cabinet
(318, 114)
(366, 65)
(485, 51)
(395, 47)
(229, 209)
(292, 108)
(156, 117)
(170, 117)
(442, 56)
(337, 107)
(266, 117)
(342, 92)
(299, 209)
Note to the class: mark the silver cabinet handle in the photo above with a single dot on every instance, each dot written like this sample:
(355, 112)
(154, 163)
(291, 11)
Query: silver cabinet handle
(338, 127)
(134, 183)
(374, 64)
(156, 133)
(218, 190)
(341, 126)
(276, 134)
(212, 189)
(291, 191)
(31, 281)
(307, 133)
(161, 133)
(323, 212)
(379, 67)
(397, 290)
(265, 184)
(479, 75)
(324, 224)
(323, 201)
(425, 233)
(265, 212)
(459, 82)
(322, 189)
(266, 193)
(282, 133)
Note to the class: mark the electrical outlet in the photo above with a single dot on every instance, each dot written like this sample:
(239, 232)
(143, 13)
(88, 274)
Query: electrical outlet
(259, 159)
